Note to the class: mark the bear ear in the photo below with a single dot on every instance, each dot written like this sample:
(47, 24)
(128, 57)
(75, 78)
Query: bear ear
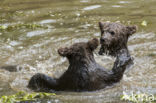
(64, 51)
(93, 44)
(101, 25)
(131, 30)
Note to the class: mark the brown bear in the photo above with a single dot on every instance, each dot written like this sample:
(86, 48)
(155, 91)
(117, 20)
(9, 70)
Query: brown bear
(114, 37)
(83, 73)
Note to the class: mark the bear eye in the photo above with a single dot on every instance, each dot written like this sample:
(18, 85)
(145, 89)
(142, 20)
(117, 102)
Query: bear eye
(112, 32)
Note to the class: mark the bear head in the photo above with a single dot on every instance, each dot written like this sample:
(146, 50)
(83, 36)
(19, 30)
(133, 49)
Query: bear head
(79, 52)
(114, 37)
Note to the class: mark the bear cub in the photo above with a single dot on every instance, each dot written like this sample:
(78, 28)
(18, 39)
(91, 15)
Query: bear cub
(114, 37)
(83, 73)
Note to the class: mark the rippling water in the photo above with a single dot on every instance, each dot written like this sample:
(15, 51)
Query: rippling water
(67, 22)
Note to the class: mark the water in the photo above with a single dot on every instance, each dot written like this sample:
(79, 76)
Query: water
(67, 22)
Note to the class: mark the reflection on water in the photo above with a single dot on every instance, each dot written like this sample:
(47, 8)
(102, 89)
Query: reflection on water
(71, 21)
(92, 7)
(36, 33)
(47, 21)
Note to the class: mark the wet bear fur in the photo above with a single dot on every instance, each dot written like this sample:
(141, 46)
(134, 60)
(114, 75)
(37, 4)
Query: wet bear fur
(114, 37)
(83, 73)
